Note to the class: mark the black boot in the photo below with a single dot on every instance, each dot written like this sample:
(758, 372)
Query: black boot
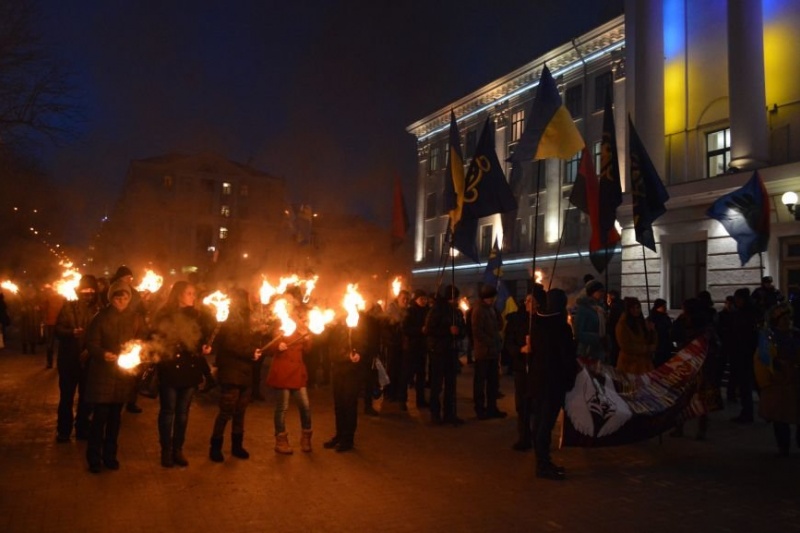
(166, 458)
(215, 452)
(236, 446)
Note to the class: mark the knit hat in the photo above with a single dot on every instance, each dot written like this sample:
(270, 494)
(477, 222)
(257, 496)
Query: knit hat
(118, 286)
(419, 293)
(660, 302)
(121, 273)
(487, 291)
(87, 282)
(556, 301)
(539, 295)
(593, 286)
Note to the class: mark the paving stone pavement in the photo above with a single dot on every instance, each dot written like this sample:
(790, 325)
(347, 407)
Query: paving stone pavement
(404, 475)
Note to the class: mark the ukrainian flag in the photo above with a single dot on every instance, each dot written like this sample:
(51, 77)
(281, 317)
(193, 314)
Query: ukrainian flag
(454, 178)
(549, 130)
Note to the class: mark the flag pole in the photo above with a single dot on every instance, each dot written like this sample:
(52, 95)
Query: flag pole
(539, 165)
(558, 251)
(646, 278)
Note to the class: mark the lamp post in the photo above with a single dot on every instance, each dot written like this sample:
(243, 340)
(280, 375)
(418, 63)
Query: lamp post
(789, 199)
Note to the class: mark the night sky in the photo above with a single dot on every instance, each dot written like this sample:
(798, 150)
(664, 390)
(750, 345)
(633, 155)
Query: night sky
(318, 93)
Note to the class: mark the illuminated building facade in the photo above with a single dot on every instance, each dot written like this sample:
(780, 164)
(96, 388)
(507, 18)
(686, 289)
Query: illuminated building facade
(712, 90)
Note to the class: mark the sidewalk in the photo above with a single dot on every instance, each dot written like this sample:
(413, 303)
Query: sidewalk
(405, 475)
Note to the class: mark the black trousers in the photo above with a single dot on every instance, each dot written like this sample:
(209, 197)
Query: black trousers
(524, 407)
(545, 414)
(347, 383)
(103, 432)
(414, 369)
(72, 378)
(444, 368)
(233, 402)
(485, 384)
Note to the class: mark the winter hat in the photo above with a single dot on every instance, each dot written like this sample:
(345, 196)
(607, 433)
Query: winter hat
(419, 293)
(556, 301)
(121, 273)
(448, 292)
(87, 282)
(539, 295)
(118, 286)
(487, 291)
(660, 302)
(593, 286)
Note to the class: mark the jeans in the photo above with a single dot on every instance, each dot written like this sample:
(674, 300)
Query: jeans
(233, 402)
(282, 405)
(72, 377)
(103, 432)
(173, 417)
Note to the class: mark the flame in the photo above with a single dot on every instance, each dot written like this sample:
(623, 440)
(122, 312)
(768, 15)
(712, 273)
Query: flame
(318, 319)
(151, 282)
(281, 310)
(538, 277)
(353, 302)
(220, 303)
(130, 357)
(11, 287)
(397, 285)
(267, 290)
(68, 284)
(463, 304)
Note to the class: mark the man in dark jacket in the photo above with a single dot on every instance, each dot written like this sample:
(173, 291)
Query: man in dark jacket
(552, 373)
(70, 328)
(487, 344)
(444, 326)
(108, 386)
(744, 327)
(346, 346)
(415, 351)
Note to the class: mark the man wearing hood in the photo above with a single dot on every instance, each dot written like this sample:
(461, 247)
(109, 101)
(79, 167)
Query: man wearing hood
(70, 328)
(590, 323)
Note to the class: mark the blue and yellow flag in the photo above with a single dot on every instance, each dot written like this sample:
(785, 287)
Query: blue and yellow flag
(504, 303)
(649, 193)
(454, 177)
(744, 213)
(549, 130)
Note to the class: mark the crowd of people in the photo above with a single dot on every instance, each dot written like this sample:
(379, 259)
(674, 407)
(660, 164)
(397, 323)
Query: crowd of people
(414, 344)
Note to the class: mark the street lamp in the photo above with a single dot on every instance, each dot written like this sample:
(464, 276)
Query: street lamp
(789, 199)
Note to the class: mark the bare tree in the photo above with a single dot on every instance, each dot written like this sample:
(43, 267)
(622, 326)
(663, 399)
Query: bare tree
(35, 95)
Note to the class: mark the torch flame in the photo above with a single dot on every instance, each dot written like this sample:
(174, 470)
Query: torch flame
(11, 287)
(220, 303)
(281, 310)
(538, 276)
(267, 290)
(353, 302)
(463, 304)
(151, 282)
(130, 357)
(397, 285)
(318, 319)
(68, 284)
(310, 284)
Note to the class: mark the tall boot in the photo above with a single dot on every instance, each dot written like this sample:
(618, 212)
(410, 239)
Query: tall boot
(166, 454)
(305, 440)
(236, 446)
(282, 444)
(179, 458)
(215, 451)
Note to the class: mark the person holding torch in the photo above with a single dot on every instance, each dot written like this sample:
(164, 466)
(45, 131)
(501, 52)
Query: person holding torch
(109, 385)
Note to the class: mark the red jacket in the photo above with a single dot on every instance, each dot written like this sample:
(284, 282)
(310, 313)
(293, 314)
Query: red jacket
(288, 370)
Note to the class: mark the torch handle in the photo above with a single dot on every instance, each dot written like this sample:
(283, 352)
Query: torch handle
(213, 336)
(276, 339)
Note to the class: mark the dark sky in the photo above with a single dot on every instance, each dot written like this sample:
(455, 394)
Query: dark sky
(318, 93)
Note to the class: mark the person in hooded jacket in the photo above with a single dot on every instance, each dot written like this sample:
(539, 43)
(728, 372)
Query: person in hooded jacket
(179, 332)
(415, 351)
(590, 327)
(109, 386)
(553, 368)
(71, 324)
(636, 338)
(237, 347)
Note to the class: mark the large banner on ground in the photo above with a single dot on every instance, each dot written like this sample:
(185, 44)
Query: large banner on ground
(610, 408)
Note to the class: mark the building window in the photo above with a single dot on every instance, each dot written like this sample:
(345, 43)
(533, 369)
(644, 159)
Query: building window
(244, 190)
(597, 151)
(430, 248)
(718, 152)
(435, 159)
(470, 144)
(227, 188)
(430, 205)
(486, 240)
(225, 211)
(168, 182)
(517, 124)
(573, 100)
(223, 232)
(602, 84)
(520, 233)
(687, 271)
(571, 234)
(571, 166)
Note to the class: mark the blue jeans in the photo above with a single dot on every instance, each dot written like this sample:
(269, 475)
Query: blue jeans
(282, 405)
(173, 417)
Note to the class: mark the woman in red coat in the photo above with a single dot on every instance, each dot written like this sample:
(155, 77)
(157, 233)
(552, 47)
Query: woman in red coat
(288, 374)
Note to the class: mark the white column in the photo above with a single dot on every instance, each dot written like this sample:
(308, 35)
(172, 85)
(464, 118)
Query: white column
(748, 100)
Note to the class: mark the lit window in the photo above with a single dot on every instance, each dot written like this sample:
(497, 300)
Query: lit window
(517, 123)
(430, 247)
(225, 211)
(434, 162)
(597, 151)
(718, 152)
(486, 240)
(227, 188)
(223, 232)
